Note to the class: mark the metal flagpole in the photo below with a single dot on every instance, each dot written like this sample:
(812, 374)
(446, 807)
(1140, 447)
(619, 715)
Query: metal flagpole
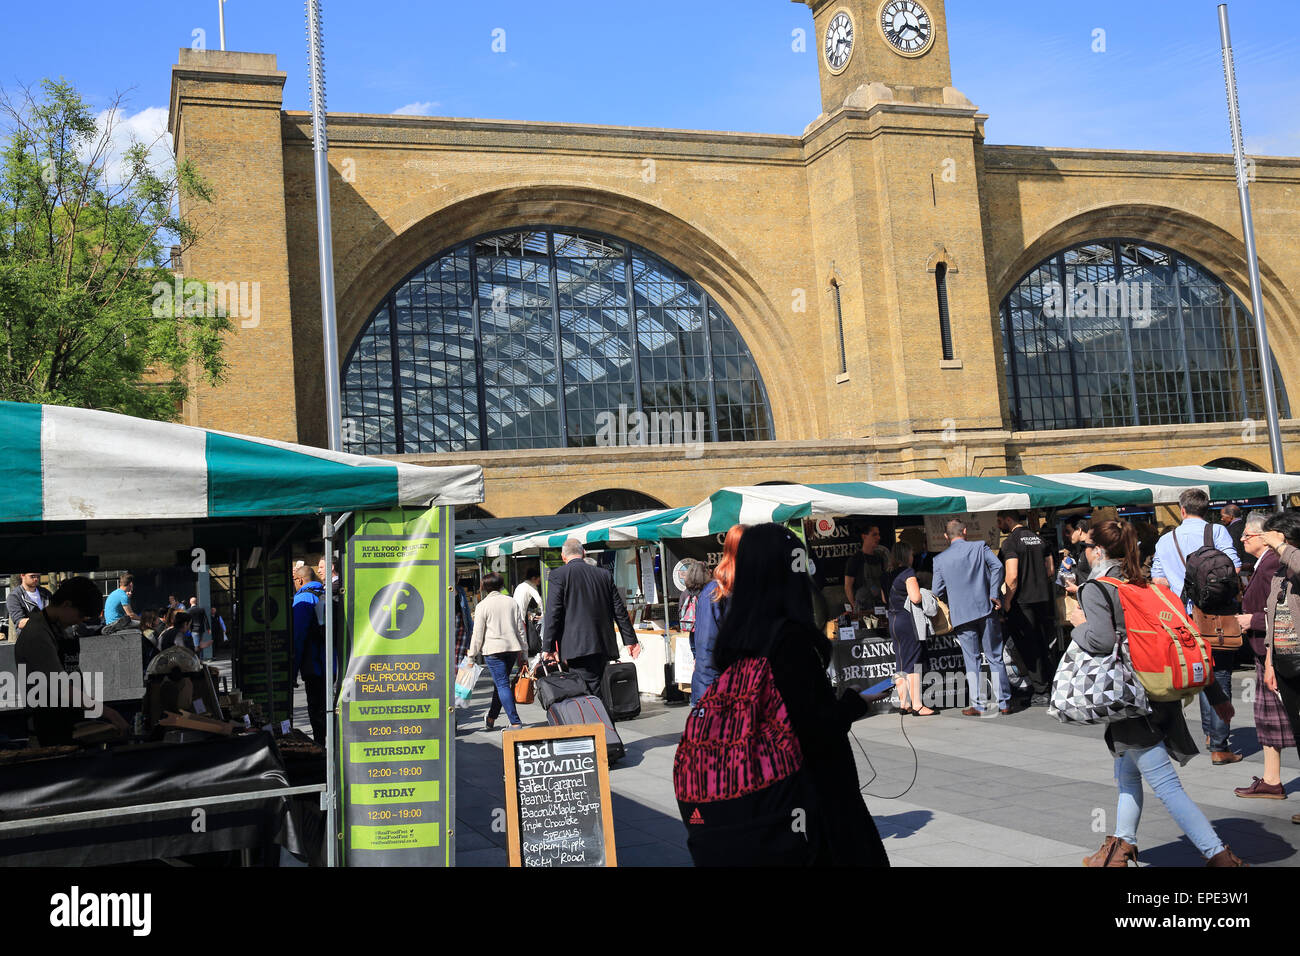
(333, 420)
(221, 19)
(1252, 258)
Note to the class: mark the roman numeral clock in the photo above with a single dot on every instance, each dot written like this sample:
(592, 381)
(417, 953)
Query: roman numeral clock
(906, 26)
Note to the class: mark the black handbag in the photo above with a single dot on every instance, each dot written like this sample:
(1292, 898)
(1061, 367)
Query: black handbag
(555, 686)
(534, 636)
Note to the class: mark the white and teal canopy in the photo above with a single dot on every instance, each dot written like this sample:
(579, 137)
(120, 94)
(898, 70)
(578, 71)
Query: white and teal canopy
(780, 503)
(72, 464)
(624, 529)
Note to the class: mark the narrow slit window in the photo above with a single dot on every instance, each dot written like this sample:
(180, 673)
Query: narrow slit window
(839, 325)
(945, 323)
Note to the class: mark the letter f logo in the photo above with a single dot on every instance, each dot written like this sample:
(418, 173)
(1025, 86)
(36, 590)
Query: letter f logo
(394, 606)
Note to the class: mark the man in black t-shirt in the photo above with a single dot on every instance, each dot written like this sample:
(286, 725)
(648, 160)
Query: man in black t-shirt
(864, 573)
(1028, 606)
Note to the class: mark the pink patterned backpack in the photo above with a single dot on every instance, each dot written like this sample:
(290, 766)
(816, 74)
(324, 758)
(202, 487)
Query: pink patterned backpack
(739, 775)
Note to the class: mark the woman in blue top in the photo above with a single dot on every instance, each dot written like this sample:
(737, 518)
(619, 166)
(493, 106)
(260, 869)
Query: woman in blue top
(710, 608)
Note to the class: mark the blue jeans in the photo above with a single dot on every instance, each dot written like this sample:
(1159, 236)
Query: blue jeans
(984, 634)
(1154, 765)
(1214, 726)
(498, 666)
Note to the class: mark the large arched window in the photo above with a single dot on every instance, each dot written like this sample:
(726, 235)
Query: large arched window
(462, 355)
(1120, 332)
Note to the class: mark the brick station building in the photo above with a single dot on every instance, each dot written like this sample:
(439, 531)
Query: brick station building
(884, 296)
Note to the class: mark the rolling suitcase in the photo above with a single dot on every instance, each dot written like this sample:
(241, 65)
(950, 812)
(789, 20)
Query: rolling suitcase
(620, 691)
(588, 710)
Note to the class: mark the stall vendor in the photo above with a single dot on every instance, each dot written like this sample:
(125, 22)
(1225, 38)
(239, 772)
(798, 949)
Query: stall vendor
(44, 647)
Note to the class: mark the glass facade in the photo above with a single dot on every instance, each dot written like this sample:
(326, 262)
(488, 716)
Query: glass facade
(547, 338)
(1119, 332)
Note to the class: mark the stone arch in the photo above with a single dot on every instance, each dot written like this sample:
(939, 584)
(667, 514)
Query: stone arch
(606, 498)
(1209, 244)
(428, 225)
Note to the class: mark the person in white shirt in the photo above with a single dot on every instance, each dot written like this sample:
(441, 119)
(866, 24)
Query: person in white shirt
(526, 594)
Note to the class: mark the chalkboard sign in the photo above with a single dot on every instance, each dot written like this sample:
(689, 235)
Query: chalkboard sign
(557, 797)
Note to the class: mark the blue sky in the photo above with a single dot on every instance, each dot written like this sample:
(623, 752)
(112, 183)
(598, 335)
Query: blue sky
(695, 64)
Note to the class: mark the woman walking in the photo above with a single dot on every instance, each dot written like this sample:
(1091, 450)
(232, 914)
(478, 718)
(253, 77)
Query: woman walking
(1142, 746)
(1282, 640)
(710, 609)
(500, 637)
(904, 594)
(767, 642)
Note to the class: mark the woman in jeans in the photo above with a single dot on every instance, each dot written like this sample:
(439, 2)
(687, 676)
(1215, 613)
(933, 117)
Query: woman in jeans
(1282, 639)
(500, 637)
(1142, 746)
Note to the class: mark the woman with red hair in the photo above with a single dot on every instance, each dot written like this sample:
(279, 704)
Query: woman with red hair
(711, 607)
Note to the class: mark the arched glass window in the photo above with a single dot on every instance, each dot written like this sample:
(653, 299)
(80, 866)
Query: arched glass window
(612, 499)
(462, 355)
(1120, 332)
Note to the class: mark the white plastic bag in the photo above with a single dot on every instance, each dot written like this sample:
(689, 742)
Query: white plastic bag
(466, 677)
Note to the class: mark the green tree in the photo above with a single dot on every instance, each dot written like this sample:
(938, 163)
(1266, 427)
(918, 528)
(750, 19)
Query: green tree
(84, 228)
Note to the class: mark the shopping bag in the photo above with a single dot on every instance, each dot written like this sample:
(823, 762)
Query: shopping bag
(466, 677)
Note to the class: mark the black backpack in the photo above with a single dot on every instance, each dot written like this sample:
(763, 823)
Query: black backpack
(1211, 581)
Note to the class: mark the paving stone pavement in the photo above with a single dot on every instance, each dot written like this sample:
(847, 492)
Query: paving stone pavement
(1009, 791)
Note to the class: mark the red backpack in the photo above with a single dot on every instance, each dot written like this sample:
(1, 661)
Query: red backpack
(1169, 656)
(739, 775)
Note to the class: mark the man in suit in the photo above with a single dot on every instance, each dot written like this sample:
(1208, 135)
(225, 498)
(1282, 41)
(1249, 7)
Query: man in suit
(582, 604)
(970, 575)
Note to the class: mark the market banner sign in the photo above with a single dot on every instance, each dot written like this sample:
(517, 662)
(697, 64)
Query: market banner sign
(264, 647)
(396, 723)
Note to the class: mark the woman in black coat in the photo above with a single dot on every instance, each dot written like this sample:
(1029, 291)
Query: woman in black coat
(770, 616)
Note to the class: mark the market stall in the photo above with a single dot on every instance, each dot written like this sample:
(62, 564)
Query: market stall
(815, 511)
(76, 481)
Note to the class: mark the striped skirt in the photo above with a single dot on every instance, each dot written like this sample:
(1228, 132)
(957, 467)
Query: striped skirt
(1271, 725)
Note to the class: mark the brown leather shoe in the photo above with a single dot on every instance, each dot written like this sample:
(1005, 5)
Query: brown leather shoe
(1222, 757)
(972, 712)
(1226, 857)
(1114, 852)
(1260, 790)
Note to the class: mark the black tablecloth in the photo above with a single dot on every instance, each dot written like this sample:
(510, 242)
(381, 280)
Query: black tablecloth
(149, 773)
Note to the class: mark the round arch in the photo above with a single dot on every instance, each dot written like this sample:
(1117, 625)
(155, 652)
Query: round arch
(379, 258)
(1235, 464)
(1121, 331)
(1210, 245)
(611, 499)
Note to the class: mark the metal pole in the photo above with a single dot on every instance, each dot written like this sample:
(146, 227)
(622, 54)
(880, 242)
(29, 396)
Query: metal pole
(1252, 258)
(325, 244)
(333, 404)
(221, 18)
(663, 578)
(331, 698)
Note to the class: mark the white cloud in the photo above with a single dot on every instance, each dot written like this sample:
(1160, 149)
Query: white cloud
(149, 127)
(425, 108)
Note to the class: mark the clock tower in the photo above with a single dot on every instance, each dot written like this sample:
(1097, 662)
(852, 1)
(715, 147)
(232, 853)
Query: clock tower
(881, 49)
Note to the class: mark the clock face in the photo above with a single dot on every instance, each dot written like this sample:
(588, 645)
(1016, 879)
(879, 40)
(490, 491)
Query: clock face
(839, 41)
(907, 26)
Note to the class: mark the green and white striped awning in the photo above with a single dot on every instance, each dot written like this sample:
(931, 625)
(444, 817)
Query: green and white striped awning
(73, 464)
(780, 503)
(624, 529)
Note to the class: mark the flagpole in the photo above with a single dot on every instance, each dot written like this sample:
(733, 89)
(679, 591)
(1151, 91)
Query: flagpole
(333, 421)
(1252, 256)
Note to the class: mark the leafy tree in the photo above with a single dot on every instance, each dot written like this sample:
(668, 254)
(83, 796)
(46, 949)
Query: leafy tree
(83, 236)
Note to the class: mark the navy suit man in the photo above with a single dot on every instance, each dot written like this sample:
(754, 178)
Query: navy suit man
(969, 575)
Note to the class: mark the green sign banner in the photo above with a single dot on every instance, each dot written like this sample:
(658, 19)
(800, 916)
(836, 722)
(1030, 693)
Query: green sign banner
(265, 651)
(397, 722)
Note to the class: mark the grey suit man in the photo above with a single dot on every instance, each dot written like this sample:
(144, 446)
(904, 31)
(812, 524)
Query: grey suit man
(969, 574)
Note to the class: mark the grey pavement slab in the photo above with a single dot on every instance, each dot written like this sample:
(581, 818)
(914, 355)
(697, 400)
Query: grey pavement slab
(1023, 790)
